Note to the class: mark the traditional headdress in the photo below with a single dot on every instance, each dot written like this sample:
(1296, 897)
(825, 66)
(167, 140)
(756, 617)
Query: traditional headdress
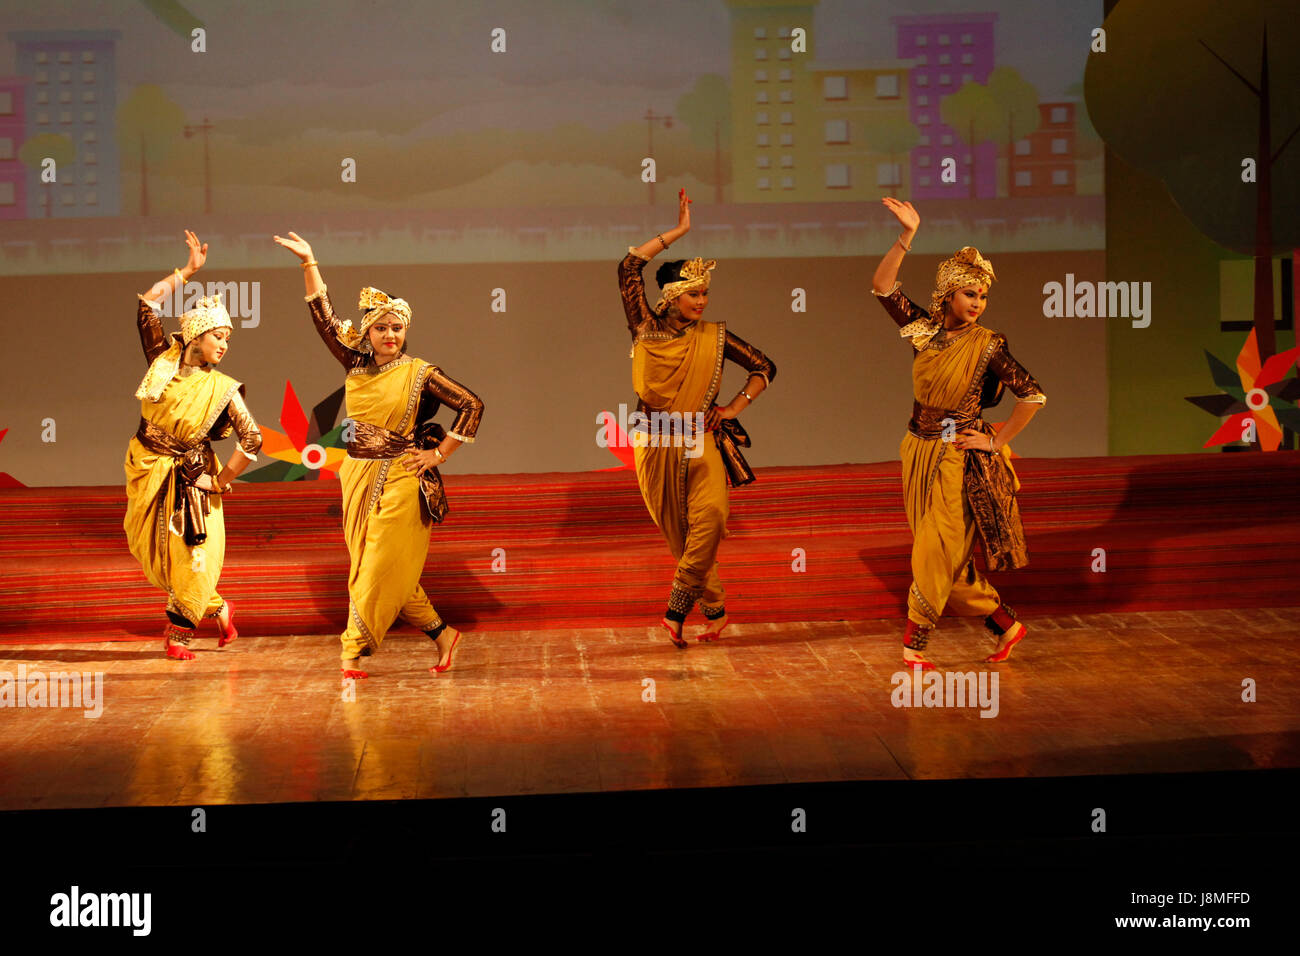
(373, 303)
(694, 275)
(208, 313)
(964, 269)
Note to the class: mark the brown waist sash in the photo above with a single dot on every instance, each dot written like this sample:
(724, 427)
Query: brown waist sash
(191, 508)
(988, 485)
(374, 442)
(730, 436)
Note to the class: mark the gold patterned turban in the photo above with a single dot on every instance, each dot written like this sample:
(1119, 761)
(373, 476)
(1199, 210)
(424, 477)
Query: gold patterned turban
(964, 269)
(208, 313)
(373, 303)
(695, 275)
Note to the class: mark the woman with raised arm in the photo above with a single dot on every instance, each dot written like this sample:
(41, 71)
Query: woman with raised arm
(388, 513)
(957, 473)
(685, 447)
(174, 482)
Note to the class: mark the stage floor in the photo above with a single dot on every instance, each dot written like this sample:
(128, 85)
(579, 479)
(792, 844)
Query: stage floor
(558, 711)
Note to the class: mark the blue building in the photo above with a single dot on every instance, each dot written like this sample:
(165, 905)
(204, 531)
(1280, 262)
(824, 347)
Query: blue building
(72, 92)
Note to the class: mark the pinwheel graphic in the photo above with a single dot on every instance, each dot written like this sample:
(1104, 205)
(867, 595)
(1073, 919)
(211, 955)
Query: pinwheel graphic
(307, 449)
(7, 480)
(1254, 391)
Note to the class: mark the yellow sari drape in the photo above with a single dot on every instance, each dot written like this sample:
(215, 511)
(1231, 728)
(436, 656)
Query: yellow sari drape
(386, 531)
(187, 409)
(943, 530)
(686, 496)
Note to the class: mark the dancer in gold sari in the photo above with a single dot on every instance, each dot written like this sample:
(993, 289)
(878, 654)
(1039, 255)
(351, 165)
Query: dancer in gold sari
(685, 447)
(957, 472)
(388, 513)
(174, 483)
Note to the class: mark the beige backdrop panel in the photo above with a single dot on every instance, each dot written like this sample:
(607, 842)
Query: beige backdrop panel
(551, 362)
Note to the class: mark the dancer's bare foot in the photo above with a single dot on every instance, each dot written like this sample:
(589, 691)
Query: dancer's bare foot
(226, 625)
(177, 651)
(674, 629)
(352, 670)
(446, 643)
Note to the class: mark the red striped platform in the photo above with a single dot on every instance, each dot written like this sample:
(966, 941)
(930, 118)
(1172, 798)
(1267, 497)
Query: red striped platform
(1178, 532)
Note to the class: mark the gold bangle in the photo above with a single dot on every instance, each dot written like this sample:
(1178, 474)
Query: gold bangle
(309, 263)
(181, 274)
(438, 452)
(746, 394)
(662, 241)
(899, 240)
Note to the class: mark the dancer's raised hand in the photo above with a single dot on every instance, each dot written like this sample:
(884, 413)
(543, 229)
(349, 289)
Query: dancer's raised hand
(683, 211)
(903, 212)
(295, 244)
(198, 252)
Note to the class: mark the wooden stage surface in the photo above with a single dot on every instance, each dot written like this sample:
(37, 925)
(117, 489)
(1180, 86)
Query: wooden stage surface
(563, 711)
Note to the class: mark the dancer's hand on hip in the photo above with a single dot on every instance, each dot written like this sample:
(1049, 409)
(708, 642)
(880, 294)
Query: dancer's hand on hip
(971, 440)
(421, 461)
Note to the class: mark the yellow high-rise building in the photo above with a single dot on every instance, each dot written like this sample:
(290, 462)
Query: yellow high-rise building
(773, 147)
(804, 131)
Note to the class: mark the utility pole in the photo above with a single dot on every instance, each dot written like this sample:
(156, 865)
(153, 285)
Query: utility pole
(207, 166)
(651, 117)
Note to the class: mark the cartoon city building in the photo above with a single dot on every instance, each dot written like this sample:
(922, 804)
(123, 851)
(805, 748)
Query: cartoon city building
(13, 179)
(947, 51)
(775, 148)
(862, 129)
(1043, 163)
(72, 91)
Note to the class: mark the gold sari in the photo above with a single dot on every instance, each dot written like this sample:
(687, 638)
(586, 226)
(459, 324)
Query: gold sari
(953, 496)
(188, 410)
(386, 530)
(686, 496)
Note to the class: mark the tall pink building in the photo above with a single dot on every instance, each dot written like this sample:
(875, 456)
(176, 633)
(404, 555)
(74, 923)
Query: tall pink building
(947, 51)
(13, 182)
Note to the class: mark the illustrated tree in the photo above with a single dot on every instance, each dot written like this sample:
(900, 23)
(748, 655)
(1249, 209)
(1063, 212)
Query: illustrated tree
(173, 16)
(36, 150)
(150, 122)
(975, 117)
(706, 111)
(1017, 102)
(1194, 100)
(891, 133)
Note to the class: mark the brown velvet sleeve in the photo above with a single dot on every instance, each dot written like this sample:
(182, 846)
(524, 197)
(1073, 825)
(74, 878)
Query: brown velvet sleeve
(1014, 375)
(631, 285)
(900, 308)
(455, 395)
(750, 358)
(152, 338)
(250, 436)
(328, 325)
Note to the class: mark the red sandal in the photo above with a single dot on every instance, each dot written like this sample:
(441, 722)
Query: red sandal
(675, 635)
(451, 652)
